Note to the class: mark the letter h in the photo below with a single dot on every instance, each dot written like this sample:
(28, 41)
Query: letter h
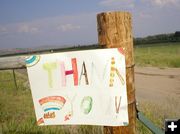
(74, 71)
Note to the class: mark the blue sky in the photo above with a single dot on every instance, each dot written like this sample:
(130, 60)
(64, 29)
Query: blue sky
(37, 23)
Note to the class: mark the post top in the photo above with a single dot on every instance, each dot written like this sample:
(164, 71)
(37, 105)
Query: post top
(115, 12)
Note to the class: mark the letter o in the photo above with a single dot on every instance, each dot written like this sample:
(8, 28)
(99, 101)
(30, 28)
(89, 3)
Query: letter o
(86, 104)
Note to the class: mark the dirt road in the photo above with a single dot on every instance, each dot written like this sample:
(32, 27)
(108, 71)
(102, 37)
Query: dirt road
(161, 86)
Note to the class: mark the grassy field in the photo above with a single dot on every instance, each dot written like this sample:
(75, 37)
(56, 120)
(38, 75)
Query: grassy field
(16, 107)
(17, 112)
(159, 55)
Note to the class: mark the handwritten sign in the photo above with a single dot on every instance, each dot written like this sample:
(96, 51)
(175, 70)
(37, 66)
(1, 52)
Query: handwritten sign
(80, 87)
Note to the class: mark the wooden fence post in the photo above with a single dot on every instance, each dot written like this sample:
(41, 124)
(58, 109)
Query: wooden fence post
(115, 30)
(14, 78)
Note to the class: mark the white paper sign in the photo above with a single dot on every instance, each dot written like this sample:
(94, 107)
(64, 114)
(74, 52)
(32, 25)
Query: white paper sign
(80, 87)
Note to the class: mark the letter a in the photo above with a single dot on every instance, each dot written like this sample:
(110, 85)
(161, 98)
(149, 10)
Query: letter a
(84, 72)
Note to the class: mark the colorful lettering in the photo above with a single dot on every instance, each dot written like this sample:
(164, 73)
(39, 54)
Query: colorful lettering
(117, 104)
(49, 67)
(86, 104)
(112, 73)
(84, 72)
(49, 115)
(95, 72)
(74, 71)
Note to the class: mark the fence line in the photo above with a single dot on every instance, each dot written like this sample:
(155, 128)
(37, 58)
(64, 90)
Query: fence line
(140, 116)
(13, 68)
(34, 52)
(19, 62)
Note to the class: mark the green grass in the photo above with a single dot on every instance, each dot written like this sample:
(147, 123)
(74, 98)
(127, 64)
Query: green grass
(159, 55)
(16, 106)
(157, 113)
(17, 114)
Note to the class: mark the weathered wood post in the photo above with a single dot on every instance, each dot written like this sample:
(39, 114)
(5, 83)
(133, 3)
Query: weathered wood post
(14, 79)
(115, 30)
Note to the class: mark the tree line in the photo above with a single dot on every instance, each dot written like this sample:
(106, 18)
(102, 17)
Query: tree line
(160, 38)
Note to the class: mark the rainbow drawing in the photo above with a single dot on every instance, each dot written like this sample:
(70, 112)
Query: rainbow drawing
(40, 121)
(52, 103)
(32, 60)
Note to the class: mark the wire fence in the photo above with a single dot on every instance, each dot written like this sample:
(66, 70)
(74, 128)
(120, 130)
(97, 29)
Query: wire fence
(14, 63)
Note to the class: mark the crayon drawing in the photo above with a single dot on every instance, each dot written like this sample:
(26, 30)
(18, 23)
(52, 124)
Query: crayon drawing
(80, 87)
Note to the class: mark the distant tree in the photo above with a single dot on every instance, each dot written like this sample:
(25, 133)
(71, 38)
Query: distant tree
(160, 38)
(177, 34)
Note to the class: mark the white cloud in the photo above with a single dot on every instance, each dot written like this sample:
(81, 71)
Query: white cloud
(25, 28)
(163, 3)
(56, 30)
(68, 27)
(53, 25)
(81, 28)
(3, 30)
(144, 15)
(118, 3)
